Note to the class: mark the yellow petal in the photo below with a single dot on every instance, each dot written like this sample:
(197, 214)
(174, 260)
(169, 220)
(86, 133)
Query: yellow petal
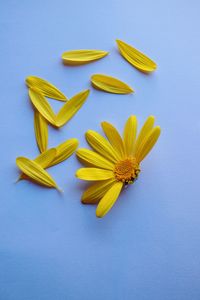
(42, 105)
(114, 138)
(64, 150)
(79, 57)
(71, 107)
(130, 131)
(92, 158)
(108, 200)
(146, 128)
(94, 174)
(96, 191)
(45, 88)
(41, 131)
(35, 172)
(101, 145)
(44, 160)
(148, 144)
(136, 58)
(110, 84)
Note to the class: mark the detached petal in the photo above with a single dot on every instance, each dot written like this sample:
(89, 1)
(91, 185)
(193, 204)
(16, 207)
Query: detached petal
(96, 191)
(94, 159)
(79, 57)
(45, 88)
(94, 174)
(136, 58)
(108, 200)
(114, 138)
(35, 172)
(44, 160)
(148, 144)
(145, 130)
(130, 132)
(42, 105)
(71, 107)
(110, 84)
(41, 131)
(64, 150)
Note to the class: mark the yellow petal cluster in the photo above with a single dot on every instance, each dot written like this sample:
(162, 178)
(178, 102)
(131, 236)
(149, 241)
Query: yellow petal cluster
(114, 162)
(47, 159)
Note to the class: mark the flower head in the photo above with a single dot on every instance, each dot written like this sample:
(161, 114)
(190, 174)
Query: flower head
(115, 161)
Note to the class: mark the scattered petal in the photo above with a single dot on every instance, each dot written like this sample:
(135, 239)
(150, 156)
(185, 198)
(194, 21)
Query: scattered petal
(63, 151)
(35, 172)
(79, 57)
(45, 88)
(44, 160)
(42, 105)
(136, 58)
(110, 84)
(41, 131)
(71, 107)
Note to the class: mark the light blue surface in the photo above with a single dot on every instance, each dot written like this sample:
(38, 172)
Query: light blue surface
(148, 246)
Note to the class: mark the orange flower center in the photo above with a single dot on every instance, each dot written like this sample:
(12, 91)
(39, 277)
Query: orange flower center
(127, 170)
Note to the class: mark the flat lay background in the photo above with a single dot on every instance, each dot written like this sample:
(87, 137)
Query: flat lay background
(148, 246)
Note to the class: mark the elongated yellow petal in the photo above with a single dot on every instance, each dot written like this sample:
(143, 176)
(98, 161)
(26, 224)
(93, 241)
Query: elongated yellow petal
(94, 174)
(41, 131)
(110, 84)
(79, 57)
(101, 145)
(148, 144)
(92, 158)
(42, 105)
(108, 199)
(71, 107)
(146, 128)
(35, 172)
(130, 131)
(114, 138)
(96, 191)
(64, 150)
(136, 58)
(45, 88)
(44, 160)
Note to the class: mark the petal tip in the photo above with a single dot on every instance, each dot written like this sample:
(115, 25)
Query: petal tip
(99, 213)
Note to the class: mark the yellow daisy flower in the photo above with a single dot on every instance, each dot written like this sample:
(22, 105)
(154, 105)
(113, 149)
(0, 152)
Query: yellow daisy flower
(114, 163)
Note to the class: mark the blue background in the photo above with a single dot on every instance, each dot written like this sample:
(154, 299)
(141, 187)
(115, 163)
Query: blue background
(148, 246)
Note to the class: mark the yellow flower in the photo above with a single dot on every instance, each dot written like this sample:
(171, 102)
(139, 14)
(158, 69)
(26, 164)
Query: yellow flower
(114, 163)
